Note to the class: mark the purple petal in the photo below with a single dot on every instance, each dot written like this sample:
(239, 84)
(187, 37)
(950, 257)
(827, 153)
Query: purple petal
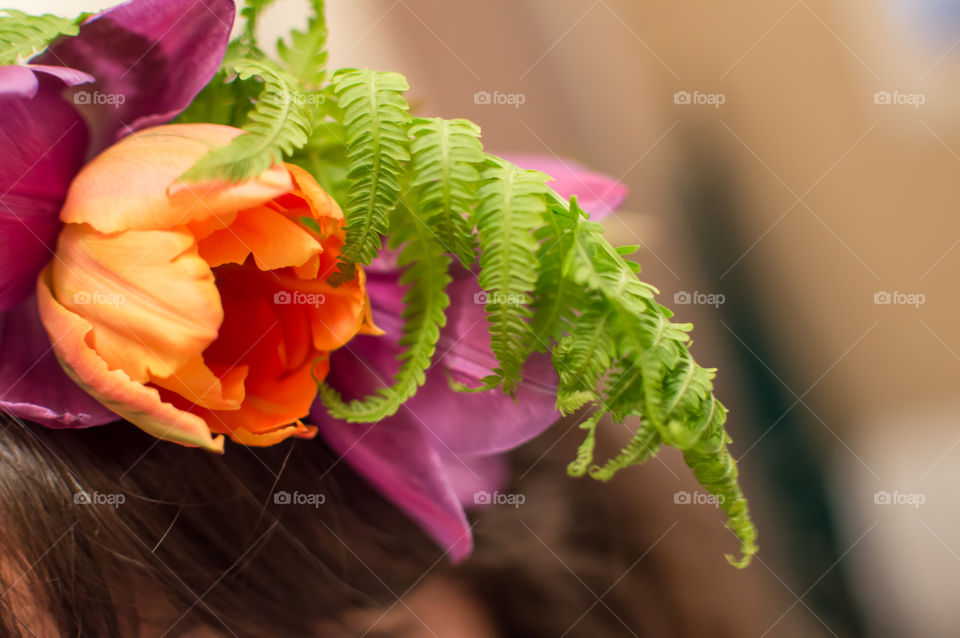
(436, 444)
(33, 386)
(70, 77)
(42, 143)
(17, 81)
(471, 477)
(398, 457)
(150, 58)
(597, 194)
(463, 352)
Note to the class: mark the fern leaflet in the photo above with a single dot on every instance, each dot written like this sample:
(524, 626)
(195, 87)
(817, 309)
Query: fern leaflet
(376, 120)
(23, 35)
(512, 206)
(424, 305)
(278, 125)
(305, 56)
(445, 158)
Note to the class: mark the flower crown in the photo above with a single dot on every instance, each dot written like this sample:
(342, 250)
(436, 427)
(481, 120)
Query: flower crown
(209, 242)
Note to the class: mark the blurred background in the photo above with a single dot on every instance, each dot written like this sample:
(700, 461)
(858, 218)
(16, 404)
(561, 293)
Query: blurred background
(794, 175)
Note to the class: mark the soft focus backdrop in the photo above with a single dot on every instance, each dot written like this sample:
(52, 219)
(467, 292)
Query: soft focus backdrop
(793, 167)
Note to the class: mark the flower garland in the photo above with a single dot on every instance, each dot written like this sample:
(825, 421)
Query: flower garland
(214, 244)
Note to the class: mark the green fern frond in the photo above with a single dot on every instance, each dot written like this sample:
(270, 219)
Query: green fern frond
(655, 378)
(446, 154)
(716, 470)
(578, 467)
(583, 357)
(556, 298)
(251, 12)
(23, 35)
(424, 307)
(278, 125)
(644, 445)
(305, 57)
(512, 206)
(376, 120)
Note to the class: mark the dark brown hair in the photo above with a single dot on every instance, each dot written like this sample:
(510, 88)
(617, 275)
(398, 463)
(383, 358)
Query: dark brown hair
(199, 541)
(197, 535)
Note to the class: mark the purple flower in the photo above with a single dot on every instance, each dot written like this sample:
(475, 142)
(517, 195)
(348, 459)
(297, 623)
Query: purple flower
(442, 450)
(135, 65)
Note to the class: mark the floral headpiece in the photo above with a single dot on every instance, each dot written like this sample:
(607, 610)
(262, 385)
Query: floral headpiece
(295, 254)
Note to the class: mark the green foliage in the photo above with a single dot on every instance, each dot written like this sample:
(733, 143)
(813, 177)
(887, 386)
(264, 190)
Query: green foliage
(554, 284)
(512, 206)
(276, 105)
(376, 121)
(579, 466)
(251, 12)
(654, 377)
(582, 358)
(23, 35)
(643, 445)
(446, 154)
(424, 305)
(305, 56)
(279, 124)
(556, 298)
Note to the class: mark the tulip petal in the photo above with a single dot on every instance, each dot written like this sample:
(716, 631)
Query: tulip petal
(340, 317)
(297, 430)
(34, 386)
(150, 58)
(597, 194)
(322, 206)
(131, 185)
(135, 402)
(329, 217)
(336, 313)
(150, 299)
(271, 411)
(202, 386)
(274, 240)
(42, 143)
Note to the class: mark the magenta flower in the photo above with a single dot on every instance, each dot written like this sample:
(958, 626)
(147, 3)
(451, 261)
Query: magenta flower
(442, 450)
(136, 65)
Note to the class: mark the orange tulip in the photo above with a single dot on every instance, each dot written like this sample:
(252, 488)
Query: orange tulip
(199, 309)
